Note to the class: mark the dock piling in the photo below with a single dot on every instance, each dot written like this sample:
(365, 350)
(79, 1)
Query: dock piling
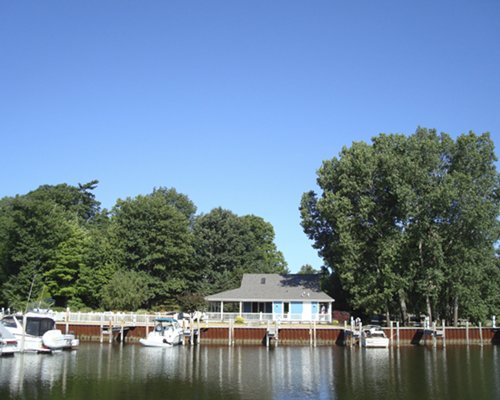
(444, 332)
(467, 332)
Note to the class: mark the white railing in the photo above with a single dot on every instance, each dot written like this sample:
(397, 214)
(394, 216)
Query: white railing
(263, 317)
(121, 318)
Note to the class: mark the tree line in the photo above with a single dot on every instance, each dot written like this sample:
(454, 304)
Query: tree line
(409, 224)
(152, 251)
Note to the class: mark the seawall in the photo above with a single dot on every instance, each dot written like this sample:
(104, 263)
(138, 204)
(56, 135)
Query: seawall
(319, 335)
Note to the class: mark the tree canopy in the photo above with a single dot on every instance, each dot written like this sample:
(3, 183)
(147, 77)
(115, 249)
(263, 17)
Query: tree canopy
(409, 223)
(150, 251)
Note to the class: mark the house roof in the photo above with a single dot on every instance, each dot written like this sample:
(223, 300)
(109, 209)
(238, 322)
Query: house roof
(272, 287)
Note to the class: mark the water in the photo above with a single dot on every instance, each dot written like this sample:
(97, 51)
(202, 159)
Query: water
(109, 372)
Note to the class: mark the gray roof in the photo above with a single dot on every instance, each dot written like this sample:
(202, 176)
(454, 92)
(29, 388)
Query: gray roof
(272, 287)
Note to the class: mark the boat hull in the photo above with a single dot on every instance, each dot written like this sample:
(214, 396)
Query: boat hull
(155, 343)
(36, 339)
(375, 342)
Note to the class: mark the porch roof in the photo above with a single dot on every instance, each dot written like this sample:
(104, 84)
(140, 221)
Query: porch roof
(275, 287)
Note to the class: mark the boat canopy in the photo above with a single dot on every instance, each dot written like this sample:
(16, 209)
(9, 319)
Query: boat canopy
(165, 319)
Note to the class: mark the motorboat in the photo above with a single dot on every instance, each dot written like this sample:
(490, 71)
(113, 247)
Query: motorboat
(37, 332)
(8, 342)
(374, 336)
(166, 333)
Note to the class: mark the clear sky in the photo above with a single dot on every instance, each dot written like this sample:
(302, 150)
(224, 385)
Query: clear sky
(234, 103)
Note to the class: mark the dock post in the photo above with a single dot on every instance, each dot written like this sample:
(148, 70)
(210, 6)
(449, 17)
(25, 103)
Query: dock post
(434, 331)
(198, 339)
(267, 334)
(444, 333)
(122, 338)
(276, 333)
(391, 326)
(481, 333)
(467, 332)
(314, 333)
(191, 331)
(67, 320)
(397, 333)
(110, 332)
(101, 338)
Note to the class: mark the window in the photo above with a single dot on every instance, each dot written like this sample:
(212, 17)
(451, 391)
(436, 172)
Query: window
(9, 322)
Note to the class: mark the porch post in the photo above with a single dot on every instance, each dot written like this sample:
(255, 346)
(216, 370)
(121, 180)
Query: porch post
(241, 308)
(222, 310)
(329, 317)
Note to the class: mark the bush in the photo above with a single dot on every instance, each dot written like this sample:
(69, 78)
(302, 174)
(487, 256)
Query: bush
(239, 320)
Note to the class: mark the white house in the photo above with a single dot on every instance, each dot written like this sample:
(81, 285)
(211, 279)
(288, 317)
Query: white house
(293, 297)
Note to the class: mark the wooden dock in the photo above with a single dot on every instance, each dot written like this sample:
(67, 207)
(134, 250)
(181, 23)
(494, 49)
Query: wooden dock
(130, 328)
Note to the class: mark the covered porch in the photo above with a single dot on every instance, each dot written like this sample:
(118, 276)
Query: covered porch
(256, 311)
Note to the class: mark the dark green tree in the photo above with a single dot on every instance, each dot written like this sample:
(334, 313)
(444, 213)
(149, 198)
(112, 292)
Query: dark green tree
(34, 227)
(153, 235)
(127, 290)
(228, 245)
(410, 220)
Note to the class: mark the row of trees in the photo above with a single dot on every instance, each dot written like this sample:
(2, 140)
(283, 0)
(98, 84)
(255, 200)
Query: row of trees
(409, 224)
(151, 251)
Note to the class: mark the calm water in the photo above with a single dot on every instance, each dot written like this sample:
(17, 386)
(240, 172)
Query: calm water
(98, 371)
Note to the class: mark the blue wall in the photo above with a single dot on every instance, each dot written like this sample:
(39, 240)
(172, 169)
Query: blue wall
(296, 309)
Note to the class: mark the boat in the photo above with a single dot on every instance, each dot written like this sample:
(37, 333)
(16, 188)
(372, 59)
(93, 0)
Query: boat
(40, 333)
(8, 342)
(374, 336)
(166, 333)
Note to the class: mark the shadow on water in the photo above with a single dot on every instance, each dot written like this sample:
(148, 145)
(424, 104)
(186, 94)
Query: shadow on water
(496, 337)
(419, 334)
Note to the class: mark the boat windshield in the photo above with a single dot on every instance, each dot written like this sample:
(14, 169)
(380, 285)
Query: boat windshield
(38, 326)
(9, 322)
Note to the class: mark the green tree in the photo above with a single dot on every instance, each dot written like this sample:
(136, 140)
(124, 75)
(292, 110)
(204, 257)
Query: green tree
(153, 234)
(38, 227)
(307, 269)
(101, 262)
(63, 270)
(33, 227)
(126, 291)
(409, 219)
(228, 245)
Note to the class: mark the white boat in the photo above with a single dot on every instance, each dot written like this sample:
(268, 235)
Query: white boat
(374, 336)
(8, 342)
(41, 334)
(166, 333)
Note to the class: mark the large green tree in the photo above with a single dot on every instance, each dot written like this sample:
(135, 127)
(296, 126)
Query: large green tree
(33, 231)
(228, 245)
(410, 221)
(153, 235)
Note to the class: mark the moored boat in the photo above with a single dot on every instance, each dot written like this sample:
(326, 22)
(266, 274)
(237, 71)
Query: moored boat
(8, 342)
(374, 336)
(166, 333)
(37, 332)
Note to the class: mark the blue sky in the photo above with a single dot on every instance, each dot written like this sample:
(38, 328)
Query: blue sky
(233, 103)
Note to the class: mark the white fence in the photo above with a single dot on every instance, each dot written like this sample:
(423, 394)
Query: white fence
(134, 319)
(263, 317)
(92, 318)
